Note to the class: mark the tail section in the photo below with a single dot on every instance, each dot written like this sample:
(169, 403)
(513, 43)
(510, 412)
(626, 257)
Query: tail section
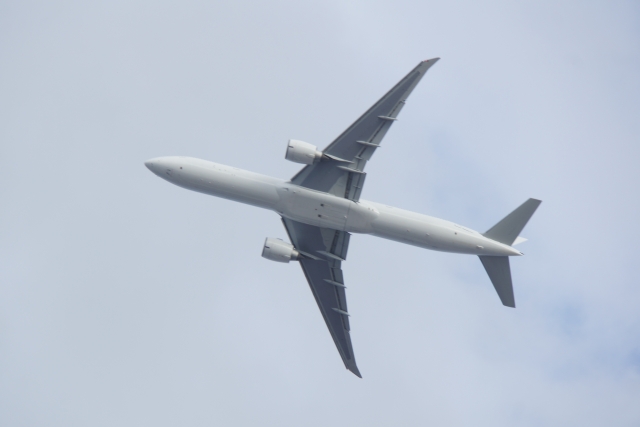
(500, 274)
(507, 230)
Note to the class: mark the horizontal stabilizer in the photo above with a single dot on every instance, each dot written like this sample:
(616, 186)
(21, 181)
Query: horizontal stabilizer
(507, 230)
(500, 274)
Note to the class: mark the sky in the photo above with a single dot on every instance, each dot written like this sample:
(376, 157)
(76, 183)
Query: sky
(125, 300)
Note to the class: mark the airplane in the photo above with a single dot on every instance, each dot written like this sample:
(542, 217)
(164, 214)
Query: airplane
(321, 207)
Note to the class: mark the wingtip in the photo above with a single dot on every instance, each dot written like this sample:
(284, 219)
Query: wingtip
(427, 63)
(354, 370)
(351, 366)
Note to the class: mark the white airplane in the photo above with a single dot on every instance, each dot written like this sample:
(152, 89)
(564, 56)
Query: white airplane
(321, 206)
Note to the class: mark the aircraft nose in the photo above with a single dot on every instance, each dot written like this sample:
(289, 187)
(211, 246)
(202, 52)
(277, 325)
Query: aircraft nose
(163, 167)
(152, 164)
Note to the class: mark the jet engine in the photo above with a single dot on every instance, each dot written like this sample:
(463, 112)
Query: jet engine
(302, 152)
(277, 250)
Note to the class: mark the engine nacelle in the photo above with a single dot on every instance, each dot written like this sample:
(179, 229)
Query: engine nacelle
(302, 152)
(277, 250)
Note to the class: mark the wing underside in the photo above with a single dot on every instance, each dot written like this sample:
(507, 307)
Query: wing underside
(323, 250)
(341, 173)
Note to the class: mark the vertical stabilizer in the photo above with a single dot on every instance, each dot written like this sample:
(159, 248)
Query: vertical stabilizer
(507, 230)
(500, 274)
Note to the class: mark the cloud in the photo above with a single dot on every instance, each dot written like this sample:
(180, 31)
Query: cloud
(124, 300)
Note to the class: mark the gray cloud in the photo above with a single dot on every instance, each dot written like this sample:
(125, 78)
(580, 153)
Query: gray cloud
(124, 300)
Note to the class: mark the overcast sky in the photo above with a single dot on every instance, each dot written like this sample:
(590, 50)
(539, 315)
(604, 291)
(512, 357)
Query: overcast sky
(127, 301)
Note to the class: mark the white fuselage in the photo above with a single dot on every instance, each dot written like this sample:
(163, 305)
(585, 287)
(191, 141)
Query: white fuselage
(323, 209)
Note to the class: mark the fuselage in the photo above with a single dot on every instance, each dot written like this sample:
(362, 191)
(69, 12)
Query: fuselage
(323, 209)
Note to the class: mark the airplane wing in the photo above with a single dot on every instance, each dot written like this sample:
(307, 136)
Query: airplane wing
(323, 250)
(341, 171)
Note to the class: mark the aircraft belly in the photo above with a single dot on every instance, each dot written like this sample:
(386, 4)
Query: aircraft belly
(229, 183)
(426, 232)
(326, 210)
(314, 208)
